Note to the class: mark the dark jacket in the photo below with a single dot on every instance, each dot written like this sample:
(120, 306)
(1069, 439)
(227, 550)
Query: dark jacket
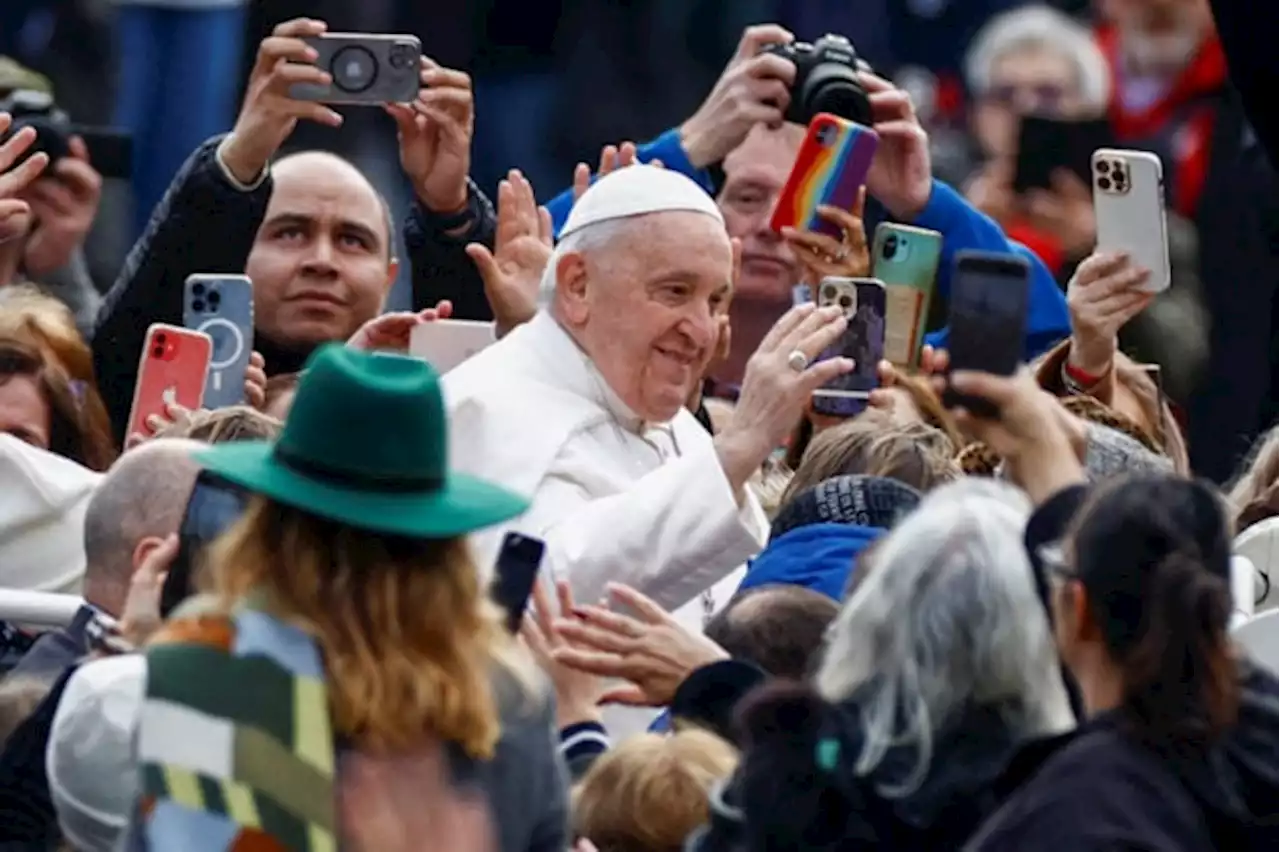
(58, 650)
(27, 819)
(206, 224)
(796, 788)
(1120, 791)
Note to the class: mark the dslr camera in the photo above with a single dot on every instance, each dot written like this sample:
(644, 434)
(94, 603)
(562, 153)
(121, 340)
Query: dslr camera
(826, 80)
(110, 151)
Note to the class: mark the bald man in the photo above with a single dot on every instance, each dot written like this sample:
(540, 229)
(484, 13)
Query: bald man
(139, 503)
(312, 233)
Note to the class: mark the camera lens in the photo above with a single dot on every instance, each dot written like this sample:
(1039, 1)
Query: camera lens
(198, 306)
(197, 289)
(890, 248)
(354, 69)
(829, 293)
(846, 302)
(214, 298)
(1104, 184)
(158, 352)
(402, 56)
(1103, 167)
(161, 338)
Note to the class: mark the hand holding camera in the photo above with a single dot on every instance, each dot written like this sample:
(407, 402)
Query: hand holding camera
(270, 111)
(64, 203)
(435, 129)
(15, 214)
(754, 88)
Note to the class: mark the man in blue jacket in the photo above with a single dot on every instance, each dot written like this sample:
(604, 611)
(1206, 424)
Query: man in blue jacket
(740, 126)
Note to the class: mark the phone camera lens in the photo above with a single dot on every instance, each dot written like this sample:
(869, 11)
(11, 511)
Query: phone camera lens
(826, 135)
(158, 352)
(198, 306)
(1104, 184)
(1103, 167)
(161, 338)
(354, 69)
(197, 289)
(402, 56)
(846, 302)
(214, 298)
(890, 248)
(829, 293)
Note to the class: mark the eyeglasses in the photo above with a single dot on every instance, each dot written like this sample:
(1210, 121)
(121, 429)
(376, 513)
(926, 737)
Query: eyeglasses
(1044, 97)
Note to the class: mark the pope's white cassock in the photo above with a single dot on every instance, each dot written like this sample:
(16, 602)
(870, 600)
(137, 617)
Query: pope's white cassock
(614, 498)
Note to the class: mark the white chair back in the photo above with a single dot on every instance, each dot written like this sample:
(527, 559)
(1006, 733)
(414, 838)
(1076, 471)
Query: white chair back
(43, 610)
(1242, 590)
(1260, 544)
(1260, 639)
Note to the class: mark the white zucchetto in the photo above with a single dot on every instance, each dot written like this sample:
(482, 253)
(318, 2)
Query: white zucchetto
(634, 191)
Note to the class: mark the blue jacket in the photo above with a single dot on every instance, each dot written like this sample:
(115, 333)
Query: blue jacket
(817, 556)
(962, 227)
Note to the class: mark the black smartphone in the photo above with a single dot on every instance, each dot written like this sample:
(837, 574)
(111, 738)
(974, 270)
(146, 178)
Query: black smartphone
(1048, 144)
(514, 575)
(214, 505)
(989, 294)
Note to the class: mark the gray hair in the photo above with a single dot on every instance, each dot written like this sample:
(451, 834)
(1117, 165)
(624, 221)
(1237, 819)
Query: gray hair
(1039, 27)
(590, 238)
(947, 615)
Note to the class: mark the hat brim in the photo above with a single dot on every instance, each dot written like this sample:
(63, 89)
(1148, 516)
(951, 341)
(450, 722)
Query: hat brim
(463, 504)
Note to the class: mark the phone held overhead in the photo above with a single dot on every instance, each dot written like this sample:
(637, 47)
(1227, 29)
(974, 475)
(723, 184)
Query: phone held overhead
(1129, 207)
(366, 68)
(830, 169)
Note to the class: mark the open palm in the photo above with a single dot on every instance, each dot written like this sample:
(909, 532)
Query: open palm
(512, 271)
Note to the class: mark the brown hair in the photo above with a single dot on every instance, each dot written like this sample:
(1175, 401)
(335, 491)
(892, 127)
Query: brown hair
(650, 792)
(872, 445)
(780, 628)
(409, 638)
(279, 388)
(35, 319)
(19, 697)
(224, 426)
(70, 434)
(1256, 491)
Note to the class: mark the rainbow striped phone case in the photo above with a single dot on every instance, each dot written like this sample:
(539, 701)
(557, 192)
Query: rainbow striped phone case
(830, 169)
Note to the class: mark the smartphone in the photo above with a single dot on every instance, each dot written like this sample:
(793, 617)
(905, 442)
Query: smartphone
(863, 301)
(1128, 204)
(906, 260)
(214, 505)
(830, 169)
(173, 369)
(221, 306)
(1048, 144)
(514, 575)
(445, 344)
(366, 68)
(989, 295)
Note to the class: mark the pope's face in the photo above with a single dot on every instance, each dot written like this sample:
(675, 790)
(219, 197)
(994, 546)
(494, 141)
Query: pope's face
(647, 310)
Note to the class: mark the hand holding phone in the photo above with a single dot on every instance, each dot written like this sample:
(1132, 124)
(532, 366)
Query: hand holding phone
(446, 343)
(514, 575)
(989, 295)
(906, 260)
(831, 168)
(172, 371)
(863, 300)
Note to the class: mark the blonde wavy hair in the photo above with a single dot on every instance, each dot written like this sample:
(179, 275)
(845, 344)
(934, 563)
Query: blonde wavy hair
(408, 635)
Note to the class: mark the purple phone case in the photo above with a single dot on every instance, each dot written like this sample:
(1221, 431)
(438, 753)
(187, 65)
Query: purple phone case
(840, 185)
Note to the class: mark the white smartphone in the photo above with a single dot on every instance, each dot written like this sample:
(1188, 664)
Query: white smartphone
(1128, 204)
(447, 343)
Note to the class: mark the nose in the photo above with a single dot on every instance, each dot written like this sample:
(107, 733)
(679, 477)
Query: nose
(699, 326)
(320, 261)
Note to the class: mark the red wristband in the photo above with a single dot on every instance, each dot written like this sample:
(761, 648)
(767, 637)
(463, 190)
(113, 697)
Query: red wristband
(1080, 377)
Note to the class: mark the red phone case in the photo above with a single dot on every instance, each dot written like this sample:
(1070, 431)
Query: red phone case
(830, 169)
(174, 366)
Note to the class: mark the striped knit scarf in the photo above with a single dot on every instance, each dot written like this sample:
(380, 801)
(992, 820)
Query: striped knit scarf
(235, 741)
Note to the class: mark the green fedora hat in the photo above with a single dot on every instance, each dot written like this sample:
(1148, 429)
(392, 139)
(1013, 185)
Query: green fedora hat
(366, 444)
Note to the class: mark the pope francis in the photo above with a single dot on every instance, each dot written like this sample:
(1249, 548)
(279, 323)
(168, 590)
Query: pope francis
(583, 407)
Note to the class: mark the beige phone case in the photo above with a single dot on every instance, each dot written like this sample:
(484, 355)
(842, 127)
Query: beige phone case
(1128, 204)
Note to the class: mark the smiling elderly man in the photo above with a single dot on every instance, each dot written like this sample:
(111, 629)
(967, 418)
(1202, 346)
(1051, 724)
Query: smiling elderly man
(583, 407)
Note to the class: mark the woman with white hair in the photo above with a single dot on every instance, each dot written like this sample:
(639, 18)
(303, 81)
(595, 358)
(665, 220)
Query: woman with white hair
(1034, 60)
(939, 666)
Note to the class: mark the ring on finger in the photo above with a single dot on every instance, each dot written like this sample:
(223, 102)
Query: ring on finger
(798, 361)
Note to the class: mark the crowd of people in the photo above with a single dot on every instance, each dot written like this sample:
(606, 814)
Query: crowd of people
(1049, 622)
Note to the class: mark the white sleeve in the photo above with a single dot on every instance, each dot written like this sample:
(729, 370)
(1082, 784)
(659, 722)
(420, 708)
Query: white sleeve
(674, 533)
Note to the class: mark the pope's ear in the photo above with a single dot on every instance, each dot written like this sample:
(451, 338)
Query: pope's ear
(571, 288)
